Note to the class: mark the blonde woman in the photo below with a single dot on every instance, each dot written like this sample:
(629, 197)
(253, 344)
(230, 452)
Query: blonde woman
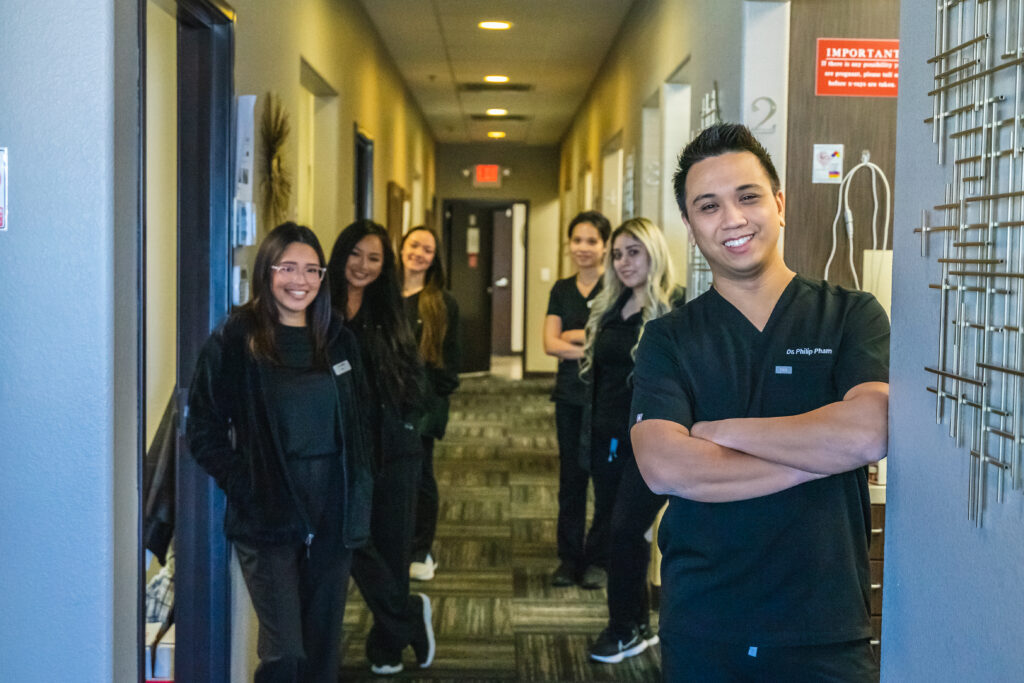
(639, 286)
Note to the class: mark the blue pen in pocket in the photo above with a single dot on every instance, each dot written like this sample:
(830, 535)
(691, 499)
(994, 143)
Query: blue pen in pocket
(613, 450)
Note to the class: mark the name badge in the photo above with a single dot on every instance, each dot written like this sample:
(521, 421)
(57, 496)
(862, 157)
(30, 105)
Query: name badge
(342, 367)
(783, 369)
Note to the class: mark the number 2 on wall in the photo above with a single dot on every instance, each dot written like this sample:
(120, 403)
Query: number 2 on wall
(762, 126)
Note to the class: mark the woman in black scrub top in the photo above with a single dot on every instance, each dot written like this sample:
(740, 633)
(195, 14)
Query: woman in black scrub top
(568, 309)
(366, 294)
(434, 317)
(639, 286)
(274, 419)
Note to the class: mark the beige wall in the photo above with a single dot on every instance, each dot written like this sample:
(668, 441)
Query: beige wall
(533, 178)
(161, 213)
(658, 37)
(338, 41)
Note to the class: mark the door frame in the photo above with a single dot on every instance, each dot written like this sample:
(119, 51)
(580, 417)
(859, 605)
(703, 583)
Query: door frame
(363, 183)
(205, 189)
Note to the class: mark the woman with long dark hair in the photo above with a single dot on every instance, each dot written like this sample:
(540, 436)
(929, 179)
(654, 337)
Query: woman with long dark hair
(568, 309)
(366, 293)
(639, 286)
(434, 317)
(274, 419)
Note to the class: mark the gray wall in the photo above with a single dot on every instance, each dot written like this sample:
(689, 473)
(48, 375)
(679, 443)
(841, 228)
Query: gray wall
(953, 594)
(67, 521)
(534, 178)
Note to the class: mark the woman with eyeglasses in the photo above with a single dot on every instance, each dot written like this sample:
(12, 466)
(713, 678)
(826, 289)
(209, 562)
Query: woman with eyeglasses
(274, 418)
(366, 293)
(639, 286)
(434, 317)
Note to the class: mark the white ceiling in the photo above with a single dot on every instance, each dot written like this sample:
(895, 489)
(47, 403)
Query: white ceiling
(555, 46)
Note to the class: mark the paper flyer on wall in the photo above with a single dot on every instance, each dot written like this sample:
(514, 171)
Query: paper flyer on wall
(828, 164)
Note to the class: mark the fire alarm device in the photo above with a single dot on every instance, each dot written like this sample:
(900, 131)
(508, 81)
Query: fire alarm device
(4, 215)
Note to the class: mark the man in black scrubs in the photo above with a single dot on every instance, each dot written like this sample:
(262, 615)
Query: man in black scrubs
(757, 407)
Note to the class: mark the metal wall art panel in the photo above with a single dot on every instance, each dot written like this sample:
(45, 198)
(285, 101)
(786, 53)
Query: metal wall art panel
(977, 228)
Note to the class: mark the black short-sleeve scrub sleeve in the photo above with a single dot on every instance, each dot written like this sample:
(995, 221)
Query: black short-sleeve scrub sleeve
(660, 391)
(863, 354)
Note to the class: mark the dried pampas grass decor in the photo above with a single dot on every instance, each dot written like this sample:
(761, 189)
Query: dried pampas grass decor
(276, 186)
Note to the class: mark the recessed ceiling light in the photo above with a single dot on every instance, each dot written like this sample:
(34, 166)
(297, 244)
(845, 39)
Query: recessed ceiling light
(496, 79)
(496, 134)
(495, 25)
(496, 112)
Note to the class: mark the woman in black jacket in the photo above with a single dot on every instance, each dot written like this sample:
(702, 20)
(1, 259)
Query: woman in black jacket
(434, 317)
(366, 293)
(273, 418)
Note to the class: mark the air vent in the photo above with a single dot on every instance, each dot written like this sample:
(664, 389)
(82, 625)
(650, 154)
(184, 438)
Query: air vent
(506, 117)
(495, 87)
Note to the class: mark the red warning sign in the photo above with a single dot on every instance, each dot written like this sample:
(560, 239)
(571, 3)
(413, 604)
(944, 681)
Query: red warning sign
(857, 67)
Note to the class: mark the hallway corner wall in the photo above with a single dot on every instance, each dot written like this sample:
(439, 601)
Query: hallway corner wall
(533, 178)
(661, 41)
(69, 494)
(953, 592)
(339, 43)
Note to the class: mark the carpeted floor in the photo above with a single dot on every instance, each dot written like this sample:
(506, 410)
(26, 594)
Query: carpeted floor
(495, 615)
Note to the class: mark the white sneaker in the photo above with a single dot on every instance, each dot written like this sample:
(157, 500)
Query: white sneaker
(423, 571)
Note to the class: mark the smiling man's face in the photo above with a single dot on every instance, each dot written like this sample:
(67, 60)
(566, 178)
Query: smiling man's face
(733, 215)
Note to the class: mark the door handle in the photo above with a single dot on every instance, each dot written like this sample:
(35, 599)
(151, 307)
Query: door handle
(503, 282)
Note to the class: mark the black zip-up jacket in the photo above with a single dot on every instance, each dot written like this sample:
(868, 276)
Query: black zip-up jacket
(441, 382)
(233, 436)
(396, 433)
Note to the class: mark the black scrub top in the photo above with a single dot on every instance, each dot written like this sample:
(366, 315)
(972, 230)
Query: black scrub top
(305, 404)
(612, 370)
(573, 308)
(790, 568)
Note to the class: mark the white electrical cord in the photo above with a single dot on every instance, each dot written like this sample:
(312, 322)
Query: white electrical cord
(843, 208)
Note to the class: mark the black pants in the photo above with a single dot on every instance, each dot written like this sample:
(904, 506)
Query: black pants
(606, 470)
(300, 603)
(572, 487)
(381, 569)
(630, 554)
(427, 504)
(696, 659)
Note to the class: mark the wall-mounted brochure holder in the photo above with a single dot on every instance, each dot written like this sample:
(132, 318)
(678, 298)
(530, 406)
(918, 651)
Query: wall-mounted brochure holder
(243, 224)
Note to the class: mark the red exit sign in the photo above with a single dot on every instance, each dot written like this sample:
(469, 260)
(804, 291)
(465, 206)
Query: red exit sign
(857, 67)
(487, 175)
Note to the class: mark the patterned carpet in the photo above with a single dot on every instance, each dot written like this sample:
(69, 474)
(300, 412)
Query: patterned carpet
(495, 615)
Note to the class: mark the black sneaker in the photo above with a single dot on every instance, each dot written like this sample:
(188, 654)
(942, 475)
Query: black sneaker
(563, 576)
(648, 634)
(593, 578)
(612, 648)
(423, 642)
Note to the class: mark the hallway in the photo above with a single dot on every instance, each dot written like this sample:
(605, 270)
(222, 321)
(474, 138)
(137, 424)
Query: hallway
(496, 617)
